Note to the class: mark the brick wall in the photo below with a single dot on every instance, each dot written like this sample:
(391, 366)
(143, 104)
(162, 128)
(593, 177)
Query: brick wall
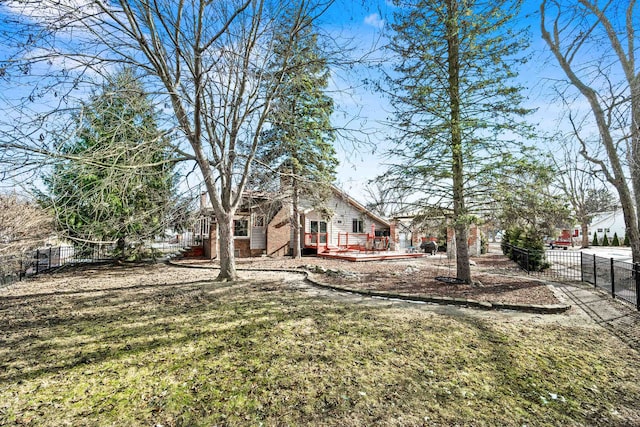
(242, 248)
(473, 240)
(279, 233)
(211, 244)
(393, 233)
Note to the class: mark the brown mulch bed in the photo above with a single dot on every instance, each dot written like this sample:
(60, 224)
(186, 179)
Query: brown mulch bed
(496, 278)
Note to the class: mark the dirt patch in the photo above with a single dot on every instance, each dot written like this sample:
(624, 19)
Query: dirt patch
(496, 279)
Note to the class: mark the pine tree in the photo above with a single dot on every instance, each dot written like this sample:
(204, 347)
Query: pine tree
(456, 112)
(626, 240)
(605, 240)
(616, 240)
(595, 239)
(116, 179)
(299, 143)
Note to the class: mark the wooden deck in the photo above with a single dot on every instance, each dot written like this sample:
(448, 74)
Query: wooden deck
(355, 256)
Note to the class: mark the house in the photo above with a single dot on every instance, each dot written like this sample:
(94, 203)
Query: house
(407, 234)
(412, 230)
(608, 223)
(262, 226)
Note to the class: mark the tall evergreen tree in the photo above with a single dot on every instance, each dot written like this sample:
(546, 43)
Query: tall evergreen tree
(456, 113)
(116, 178)
(299, 143)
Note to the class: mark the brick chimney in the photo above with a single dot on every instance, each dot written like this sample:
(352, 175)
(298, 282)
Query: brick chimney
(203, 200)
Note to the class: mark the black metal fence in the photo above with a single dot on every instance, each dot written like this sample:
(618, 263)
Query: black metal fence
(17, 267)
(618, 278)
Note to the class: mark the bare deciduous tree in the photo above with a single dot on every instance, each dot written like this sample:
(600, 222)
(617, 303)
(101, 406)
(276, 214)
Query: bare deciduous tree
(580, 187)
(387, 199)
(594, 43)
(23, 225)
(204, 60)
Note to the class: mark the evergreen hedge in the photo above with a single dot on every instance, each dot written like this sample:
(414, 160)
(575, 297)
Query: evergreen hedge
(615, 241)
(529, 240)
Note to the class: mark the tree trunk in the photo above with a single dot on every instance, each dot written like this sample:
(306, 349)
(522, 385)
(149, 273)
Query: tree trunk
(631, 224)
(297, 250)
(634, 164)
(121, 248)
(463, 270)
(585, 234)
(226, 254)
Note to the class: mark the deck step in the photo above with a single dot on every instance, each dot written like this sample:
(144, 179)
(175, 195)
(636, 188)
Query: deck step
(193, 252)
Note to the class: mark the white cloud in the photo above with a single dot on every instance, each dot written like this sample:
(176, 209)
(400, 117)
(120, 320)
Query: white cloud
(374, 20)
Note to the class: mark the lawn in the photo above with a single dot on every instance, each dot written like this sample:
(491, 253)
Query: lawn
(159, 345)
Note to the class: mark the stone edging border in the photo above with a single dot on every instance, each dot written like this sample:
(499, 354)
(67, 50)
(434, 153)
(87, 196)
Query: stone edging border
(461, 302)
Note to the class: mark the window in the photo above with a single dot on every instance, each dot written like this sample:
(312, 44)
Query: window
(321, 228)
(240, 228)
(599, 230)
(204, 226)
(358, 226)
(318, 227)
(258, 221)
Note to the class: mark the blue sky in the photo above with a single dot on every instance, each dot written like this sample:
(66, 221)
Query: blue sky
(363, 22)
(367, 22)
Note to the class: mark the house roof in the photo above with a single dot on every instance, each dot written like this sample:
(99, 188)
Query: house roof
(359, 206)
(259, 195)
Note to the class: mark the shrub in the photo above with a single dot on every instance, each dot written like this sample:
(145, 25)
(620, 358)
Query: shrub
(484, 243)
(626, 240)
(615, 241)
(605, 240)
(510, 237)
(595, 239)
(528, 240)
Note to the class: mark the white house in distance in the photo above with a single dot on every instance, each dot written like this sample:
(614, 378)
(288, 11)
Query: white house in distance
(609, 223)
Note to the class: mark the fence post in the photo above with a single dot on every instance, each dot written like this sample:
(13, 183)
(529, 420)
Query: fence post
(595, 272)
(37, 261)
(636, 271)
(49, 260)
(613, 281)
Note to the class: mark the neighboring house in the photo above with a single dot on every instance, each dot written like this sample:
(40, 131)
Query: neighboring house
(609, 223)
(411, 233)
(262, 226)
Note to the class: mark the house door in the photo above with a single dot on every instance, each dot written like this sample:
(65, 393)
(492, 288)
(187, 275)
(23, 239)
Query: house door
(318, 230)
(402, 243)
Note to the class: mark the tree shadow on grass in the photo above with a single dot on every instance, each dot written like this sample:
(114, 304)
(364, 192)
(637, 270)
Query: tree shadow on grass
(46, 334)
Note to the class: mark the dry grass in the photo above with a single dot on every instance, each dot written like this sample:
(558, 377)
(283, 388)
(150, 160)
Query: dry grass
(166, 346)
